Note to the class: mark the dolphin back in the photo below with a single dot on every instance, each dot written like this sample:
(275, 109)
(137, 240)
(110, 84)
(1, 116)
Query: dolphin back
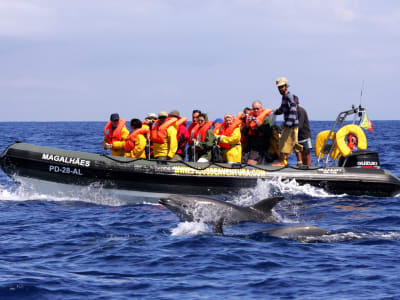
(267, 204)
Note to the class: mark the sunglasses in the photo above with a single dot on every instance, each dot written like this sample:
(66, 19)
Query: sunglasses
(201, 120)
(257, 108)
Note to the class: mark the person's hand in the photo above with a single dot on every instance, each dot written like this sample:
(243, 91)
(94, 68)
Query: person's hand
(108, 146)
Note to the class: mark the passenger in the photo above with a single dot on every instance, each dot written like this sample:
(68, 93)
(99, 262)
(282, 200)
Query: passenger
(148, 123)
(163, 137)
(193, 127)
(289, 138)
(135, 143)
(304, 157)
(244, 140)
(149, 120)
(258, 130)
(205, 139)
(115, 131)
(228, 138)
(182, 135)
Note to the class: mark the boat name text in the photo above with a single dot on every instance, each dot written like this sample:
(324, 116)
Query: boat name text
(66, 159)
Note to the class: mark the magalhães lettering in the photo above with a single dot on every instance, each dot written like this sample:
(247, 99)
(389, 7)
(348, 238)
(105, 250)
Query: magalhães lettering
(66, 159)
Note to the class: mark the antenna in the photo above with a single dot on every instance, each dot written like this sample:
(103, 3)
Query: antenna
(362, 87)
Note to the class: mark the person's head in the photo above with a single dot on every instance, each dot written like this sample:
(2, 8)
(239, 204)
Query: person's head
(195, 115)
(228, 118)
(282, 85)
(135, 124)
(114, 118)
(162, 116)
(247, 110)
(150, 118)
(257, 107)
(202, 119)
(174, 114)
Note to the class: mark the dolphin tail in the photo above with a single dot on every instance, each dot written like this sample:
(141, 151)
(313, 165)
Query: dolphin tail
(266, 204)
(218, 227)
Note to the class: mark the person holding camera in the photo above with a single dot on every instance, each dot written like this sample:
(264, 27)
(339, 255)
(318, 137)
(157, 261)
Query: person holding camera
(258, 130)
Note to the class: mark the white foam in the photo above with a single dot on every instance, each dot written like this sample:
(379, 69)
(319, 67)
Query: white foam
(33, 189)
(189, 228)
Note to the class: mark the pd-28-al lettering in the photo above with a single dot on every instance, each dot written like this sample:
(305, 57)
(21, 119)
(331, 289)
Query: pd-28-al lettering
(65, 170)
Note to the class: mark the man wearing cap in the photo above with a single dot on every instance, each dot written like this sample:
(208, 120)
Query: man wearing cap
(149, 120)
(182, 135)
(163, 137)
(289, 138)
(115, 131)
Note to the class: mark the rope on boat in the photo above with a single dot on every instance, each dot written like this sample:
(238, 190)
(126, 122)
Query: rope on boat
(232, 166)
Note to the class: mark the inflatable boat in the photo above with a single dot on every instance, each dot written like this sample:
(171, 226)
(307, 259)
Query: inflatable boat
(359, 173)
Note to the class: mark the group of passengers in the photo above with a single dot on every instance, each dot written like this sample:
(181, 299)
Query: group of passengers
(251, 137)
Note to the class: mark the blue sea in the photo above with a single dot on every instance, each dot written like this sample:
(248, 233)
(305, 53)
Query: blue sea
(85, 245)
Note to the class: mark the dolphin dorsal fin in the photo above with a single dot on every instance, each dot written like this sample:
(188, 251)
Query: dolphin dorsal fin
(266, 204)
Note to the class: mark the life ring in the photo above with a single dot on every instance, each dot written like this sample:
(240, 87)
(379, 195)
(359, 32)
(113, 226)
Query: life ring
(341, 138)
(319, 143)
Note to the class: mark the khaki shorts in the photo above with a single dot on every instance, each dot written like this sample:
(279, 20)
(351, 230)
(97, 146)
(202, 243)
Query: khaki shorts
(288, 140)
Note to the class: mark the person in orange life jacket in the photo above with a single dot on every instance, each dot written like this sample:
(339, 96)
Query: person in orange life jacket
(228, 139)
(115, 131)
(163, 137)
(148, 123)
(192, 131)
(135, 144)
(289, 138)
(205, 139)
(149, 120)
(244, 139)
(258, 130)
(182, 135)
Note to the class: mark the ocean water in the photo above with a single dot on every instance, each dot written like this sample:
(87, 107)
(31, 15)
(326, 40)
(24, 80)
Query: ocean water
(90, 246)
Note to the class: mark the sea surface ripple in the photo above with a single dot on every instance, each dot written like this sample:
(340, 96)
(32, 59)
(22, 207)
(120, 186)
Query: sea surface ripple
(87, 246)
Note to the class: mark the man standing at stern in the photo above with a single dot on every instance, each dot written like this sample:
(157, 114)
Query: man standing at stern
(289, 138)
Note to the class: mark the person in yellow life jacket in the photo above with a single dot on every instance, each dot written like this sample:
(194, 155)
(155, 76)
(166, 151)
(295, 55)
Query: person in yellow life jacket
(228, 138)
(135, 144)
(115, 131)
(163, 137)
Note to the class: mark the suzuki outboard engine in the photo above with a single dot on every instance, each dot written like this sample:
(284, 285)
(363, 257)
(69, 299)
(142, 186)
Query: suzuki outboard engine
(360, 159)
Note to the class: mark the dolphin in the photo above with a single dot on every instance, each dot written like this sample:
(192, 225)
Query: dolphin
(219, 213)
(297, 232)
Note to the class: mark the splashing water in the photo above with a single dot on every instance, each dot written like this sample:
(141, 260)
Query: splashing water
(190, 228)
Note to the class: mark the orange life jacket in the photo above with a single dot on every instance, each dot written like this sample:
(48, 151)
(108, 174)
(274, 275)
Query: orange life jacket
(217, 125)
(263, 114)
(228, 132)
(203, 131)
(130, 140)
(193, 132)
(181, 121)
(114, 135)
(159, 132)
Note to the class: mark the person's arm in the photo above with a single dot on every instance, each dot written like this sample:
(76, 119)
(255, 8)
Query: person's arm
(234, 139)
(208, 142)
(172, 141)
(140, 145)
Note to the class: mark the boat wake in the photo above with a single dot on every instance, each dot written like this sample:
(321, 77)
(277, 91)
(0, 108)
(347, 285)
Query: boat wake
(29, 189)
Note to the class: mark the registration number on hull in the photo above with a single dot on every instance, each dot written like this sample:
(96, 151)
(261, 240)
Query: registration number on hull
(65, 170)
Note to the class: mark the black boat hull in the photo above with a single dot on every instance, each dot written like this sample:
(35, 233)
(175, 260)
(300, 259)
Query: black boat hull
(80, 168)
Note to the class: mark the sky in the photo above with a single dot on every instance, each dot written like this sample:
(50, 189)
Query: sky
(83, 60)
